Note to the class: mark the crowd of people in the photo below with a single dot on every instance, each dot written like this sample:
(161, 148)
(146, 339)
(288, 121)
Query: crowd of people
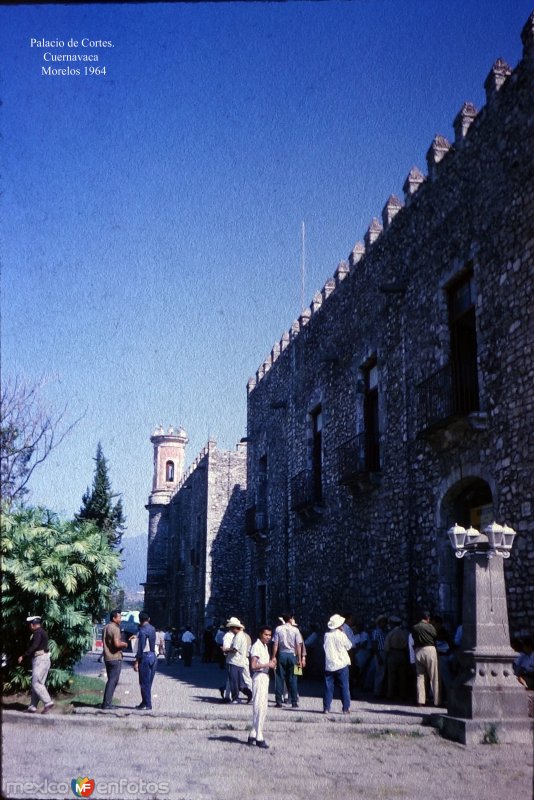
(390, 661)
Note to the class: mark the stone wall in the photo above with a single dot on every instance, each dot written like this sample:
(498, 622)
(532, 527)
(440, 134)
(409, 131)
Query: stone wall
(205, 523)
(376, 539)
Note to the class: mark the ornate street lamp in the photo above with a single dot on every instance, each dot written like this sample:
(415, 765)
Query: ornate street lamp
(485, 699)
(495, 540)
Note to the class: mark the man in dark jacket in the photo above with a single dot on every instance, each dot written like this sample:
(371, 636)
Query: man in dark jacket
(38, 651)
(146, 660)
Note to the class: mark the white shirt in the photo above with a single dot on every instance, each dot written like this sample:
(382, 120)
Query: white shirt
(239, 658)
(261, 652)
(336, 646)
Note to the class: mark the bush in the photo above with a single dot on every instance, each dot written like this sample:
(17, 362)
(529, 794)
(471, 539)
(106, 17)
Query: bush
(63, 571)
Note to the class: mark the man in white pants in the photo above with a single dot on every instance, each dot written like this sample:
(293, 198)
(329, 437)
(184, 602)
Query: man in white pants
(260, 664)
(38, 652)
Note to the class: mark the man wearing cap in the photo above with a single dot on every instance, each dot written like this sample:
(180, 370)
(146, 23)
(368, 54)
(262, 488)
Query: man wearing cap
(236, 659)
(38, 650)
(426, 658)
(146, 661)
(337, 660)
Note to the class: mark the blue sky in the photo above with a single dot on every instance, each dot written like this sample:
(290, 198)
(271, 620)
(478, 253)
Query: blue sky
(151, 239)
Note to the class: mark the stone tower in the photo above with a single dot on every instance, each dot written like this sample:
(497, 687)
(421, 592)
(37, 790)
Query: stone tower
(169, 456)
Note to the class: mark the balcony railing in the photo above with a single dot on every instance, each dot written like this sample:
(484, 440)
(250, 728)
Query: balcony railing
(357, 457)
(302, 490)
(450, 392)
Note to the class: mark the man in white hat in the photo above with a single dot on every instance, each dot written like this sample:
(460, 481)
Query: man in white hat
(337, 660)
(38, 651)
(236, 659)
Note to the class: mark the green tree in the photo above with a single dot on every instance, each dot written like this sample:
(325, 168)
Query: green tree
(98, 506)
(63, 571)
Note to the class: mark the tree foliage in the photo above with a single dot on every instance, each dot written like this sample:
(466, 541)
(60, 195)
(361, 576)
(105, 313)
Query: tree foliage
(63, 571)
(98, 506)
(29, 431)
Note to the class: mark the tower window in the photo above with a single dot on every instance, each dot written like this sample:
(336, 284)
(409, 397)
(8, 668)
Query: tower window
(169, 471)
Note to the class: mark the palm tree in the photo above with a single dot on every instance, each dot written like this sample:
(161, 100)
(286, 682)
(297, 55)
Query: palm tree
(64, 571)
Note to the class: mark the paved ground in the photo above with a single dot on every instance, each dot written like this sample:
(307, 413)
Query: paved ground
(192, 747)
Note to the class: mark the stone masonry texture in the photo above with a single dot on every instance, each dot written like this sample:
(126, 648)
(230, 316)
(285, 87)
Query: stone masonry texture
(196, 539)
(374, 538)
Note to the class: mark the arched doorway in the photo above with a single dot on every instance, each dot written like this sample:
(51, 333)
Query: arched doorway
(468, 502)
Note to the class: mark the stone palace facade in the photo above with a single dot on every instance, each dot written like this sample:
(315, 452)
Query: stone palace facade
(400, 402)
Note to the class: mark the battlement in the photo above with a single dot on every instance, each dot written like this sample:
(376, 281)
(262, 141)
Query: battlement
(208, 448)
(441, 151)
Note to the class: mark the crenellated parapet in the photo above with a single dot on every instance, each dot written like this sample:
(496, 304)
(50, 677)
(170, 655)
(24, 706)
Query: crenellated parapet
(497, 75)
(435, 154)
(358, 252)
(440, 150)
(412, 184)
(208, 447)
(390, 210)
(373, 232)
(463, 121)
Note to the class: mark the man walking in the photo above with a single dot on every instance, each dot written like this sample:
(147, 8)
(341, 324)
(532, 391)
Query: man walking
(187, 645)
(38, 651)
(287, 649)
(260, 664)
(426, 658)
(145, 661)
(113, 647)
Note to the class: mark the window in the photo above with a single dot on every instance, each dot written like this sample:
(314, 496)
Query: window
(262, 483)
(370, 419)
(317, 454)
(463, 334)
(169, 471)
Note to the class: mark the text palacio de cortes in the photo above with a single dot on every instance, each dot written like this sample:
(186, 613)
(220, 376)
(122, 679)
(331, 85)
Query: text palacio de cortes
(72, 43)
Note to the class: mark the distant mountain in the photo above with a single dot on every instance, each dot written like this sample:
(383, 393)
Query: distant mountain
(134, 557)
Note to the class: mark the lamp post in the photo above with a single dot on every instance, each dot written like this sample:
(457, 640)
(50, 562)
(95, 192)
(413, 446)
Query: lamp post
(485, 702)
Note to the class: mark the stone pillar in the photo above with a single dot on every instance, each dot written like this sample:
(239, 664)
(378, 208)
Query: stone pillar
(486, 699)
